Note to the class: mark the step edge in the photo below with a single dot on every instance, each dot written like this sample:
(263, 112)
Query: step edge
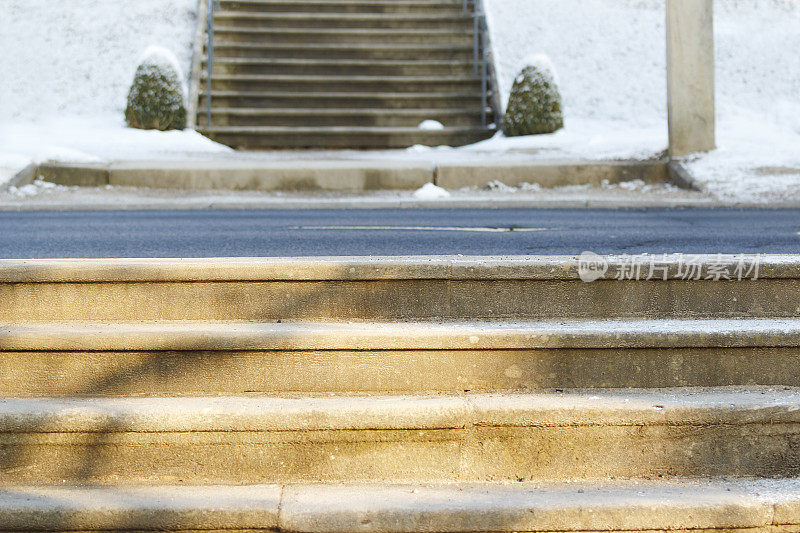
(474, 268)
(358, 336)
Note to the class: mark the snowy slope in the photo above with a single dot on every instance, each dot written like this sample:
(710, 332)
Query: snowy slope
(77, 57)
(66, 70)
(610, 57)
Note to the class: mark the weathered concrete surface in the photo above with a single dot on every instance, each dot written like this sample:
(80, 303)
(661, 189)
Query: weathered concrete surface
(286, 176)
(345, 175)
(543, 268)
(683, 505)
(23, 177)
(396, 300)
(77, 359)
(154, 508)
(355, 336)
(336, 175)
(162, 373)
(473, 508)
(498, 437)
(391, 289)
(550, 174)
(690, 76)
(81, 175)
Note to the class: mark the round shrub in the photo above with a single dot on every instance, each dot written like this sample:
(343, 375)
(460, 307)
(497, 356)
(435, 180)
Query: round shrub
(534, 106)
(156, 99)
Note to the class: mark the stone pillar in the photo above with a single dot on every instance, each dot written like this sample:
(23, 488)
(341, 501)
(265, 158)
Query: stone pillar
(690, 76)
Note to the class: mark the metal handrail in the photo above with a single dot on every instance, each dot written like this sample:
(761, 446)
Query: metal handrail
(480, 61)
(213, 5)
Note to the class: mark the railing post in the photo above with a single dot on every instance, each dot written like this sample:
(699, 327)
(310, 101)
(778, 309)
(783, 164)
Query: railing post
(212, 5)
(475, 43)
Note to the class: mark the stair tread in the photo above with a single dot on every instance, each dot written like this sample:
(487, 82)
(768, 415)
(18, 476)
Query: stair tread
(340, 129)
(345, 46)
(494, 268)
(405, 17)
(341, 110)
(372, 335)
(405, 508)
(686, 407)
(348, 62)
(359, 94)
(319, 77)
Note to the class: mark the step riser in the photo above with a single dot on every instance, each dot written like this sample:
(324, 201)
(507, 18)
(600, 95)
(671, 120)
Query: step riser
(438, 8)
(222, 50)
(344, 85)
(397, 299)
(114, 455)
(351, 37)
(353, 119)
(232, 19)
(224, 372)
(344, 140)
(282, 69)
(389, 101)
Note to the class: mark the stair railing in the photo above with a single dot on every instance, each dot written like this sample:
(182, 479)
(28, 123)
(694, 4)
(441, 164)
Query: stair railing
(480, 61)
(213, 6)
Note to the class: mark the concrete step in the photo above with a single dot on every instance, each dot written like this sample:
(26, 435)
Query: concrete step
(681, 505)
(383, 118)
(341, 67)
(341, 137)
(375, 51)
(356, 84)
(451, 7)
(322, 99)
(447, 21)
(200, 359)
(415, 288)
(544, 437)
(340, 36)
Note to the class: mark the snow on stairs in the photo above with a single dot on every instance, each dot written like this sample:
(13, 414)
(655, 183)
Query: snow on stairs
(429, 394)
(343, 74)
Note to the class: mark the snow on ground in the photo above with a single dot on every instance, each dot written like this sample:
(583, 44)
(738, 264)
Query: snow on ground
(610, 57)
(67, 67)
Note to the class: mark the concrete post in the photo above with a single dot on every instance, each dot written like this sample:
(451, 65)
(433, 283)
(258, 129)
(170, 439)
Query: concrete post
(690, 76)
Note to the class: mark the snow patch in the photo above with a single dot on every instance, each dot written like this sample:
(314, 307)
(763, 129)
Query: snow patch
(33, 189)
(165, 61)
(431, 125)
(429, 191)
(542, 63)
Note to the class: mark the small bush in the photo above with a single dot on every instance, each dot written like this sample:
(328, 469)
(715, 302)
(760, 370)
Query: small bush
(534, 106)
(156, 100)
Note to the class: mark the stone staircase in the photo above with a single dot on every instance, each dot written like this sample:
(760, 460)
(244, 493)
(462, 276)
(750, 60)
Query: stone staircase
(343, 74)
(397, 395)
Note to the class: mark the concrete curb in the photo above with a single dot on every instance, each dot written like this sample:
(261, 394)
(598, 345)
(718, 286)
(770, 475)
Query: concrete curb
(23, 177)
(551, 174)
(680, 176)
(347, 175)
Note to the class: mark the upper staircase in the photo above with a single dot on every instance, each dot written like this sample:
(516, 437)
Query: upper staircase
(335, 74)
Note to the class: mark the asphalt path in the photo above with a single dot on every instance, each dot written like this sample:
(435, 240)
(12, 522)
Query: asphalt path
(267, 233)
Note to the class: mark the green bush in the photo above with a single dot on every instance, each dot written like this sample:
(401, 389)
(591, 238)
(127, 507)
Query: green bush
(534, 106)
(156, 98)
